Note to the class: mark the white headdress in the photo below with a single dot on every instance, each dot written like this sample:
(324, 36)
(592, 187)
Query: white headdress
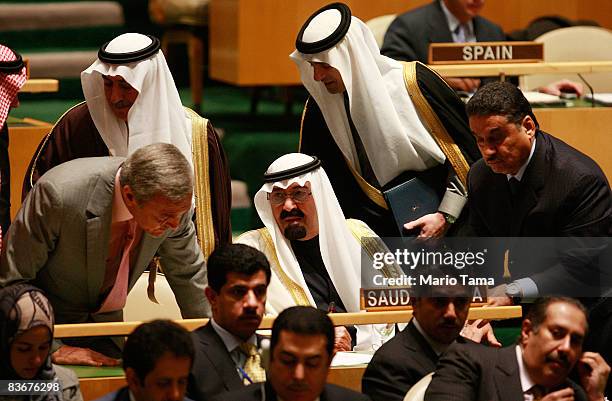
(339, 249)
(157, 114)
(392, 134)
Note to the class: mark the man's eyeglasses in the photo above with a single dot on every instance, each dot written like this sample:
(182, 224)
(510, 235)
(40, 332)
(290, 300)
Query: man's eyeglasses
(298, 196)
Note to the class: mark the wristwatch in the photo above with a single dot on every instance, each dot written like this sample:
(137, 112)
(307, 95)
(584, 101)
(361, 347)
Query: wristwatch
(449, 219)
(514, 292)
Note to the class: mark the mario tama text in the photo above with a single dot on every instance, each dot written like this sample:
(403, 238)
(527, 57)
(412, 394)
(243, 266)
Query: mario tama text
(404, 280)
(569, 266)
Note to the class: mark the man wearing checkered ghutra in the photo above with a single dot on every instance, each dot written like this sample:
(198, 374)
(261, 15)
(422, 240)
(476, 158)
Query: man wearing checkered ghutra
(12, 78)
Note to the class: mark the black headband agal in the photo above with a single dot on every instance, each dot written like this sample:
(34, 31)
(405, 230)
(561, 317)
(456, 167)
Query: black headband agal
(293, 172)
(129, 57)
(331, 40)
(13, 66)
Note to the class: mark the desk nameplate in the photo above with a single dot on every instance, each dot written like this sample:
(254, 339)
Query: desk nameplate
(485, 52)
(398, 298)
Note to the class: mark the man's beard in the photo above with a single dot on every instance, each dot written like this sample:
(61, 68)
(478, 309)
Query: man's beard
(295, 231)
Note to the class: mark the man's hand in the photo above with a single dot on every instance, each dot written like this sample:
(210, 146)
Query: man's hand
(480, 331)
(431, 225)
(593, 371)
(496, 296)
(463, 84)
(67, 355)
(343, 339)
(563, 85)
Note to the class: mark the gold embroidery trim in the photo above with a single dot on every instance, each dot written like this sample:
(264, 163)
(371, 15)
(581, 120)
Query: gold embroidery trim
(435, 126)
(371, 244)
(371, 192)
(40, 149)
(296, 291)
(302, 123)
(199, 149)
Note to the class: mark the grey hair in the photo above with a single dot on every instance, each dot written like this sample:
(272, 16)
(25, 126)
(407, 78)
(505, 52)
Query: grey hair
(157, 169)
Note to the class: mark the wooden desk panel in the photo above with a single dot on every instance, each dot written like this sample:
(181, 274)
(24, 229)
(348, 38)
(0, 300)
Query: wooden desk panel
(508, 69)
(587, 129)
(40, 85)
(347, 376)
(95, 387)
(339, 319)
(23, 141)
(250, 41)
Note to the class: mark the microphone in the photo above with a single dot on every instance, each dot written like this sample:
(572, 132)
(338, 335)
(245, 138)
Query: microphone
(590, 89)
(264, 352)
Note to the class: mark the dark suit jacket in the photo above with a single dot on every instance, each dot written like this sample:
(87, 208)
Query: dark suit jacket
(563, 193)
(600, 333)
(398, 365)
(254, 393)
(213, 370)
(474, 372)
(410, 34)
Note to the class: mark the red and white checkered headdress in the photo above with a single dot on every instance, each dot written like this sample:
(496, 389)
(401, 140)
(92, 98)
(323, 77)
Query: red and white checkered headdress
(12, 78)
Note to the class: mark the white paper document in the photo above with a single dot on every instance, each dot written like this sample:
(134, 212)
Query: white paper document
(351, 358)
(544, 98)
(602, 98)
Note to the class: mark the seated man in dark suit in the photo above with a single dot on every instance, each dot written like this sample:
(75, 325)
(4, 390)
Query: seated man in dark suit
(410, 34)
(439, 315)
(156, 359)
(301, 352)
(537, 368)
(226, 348)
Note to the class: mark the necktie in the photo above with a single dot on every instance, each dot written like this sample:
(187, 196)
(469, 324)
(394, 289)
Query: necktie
(115, 300)
(514, 185)
(537, 392)
(460, 33)
(252, 366)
